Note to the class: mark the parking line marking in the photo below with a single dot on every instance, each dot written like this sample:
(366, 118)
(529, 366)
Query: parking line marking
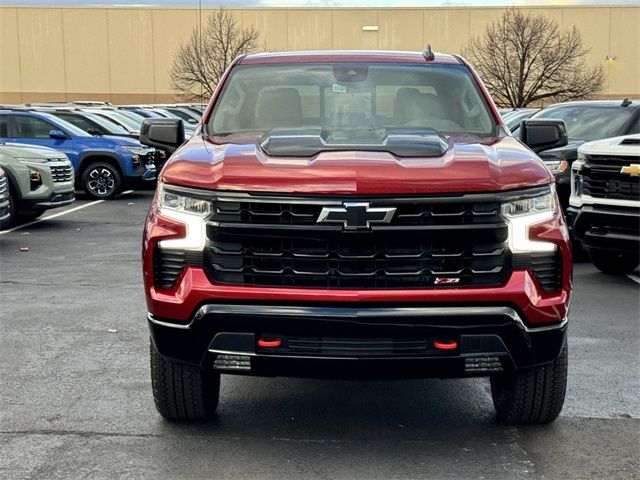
(633, 277)
(60, 214)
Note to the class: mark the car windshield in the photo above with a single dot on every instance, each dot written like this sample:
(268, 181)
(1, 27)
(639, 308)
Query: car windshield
(112, 127)
(340, 97)
(588, 122)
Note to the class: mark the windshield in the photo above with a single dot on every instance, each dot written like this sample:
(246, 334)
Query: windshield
(111, 127)
(588, 122)
(351, 96)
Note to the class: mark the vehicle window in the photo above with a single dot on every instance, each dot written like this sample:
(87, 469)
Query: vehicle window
(635, 126)
(588, 122)
(351, 96)
(179, 113)
(4, 126)
(108, 125)
(76, 120)
(32, 127)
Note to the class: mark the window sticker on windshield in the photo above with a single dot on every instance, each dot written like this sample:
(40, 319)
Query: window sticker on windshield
(337, 88)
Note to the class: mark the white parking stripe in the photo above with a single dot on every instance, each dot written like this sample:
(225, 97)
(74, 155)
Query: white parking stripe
(633, 277)
(59, 214)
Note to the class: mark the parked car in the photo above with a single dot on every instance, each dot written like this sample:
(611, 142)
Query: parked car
(150, 112)
(185, 113)
(604, 211)
(356, 214)
(35, 179)
(513, 117)
(586, 121)
(92, 123)
(103, 165)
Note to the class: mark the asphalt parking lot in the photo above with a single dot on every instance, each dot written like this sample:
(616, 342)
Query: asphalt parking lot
(76, 397)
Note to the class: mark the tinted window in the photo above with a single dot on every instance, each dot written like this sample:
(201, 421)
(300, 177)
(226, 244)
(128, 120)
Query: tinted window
(32, 127)
(4, 126)
(77, 120)
(341, 97)
(587, 122)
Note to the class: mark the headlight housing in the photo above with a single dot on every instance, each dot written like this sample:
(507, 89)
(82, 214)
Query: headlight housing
(188, 208)
(140, 151)
(525, 212)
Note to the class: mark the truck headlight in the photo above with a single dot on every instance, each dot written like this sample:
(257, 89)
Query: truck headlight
(523, 213)
(187, 208)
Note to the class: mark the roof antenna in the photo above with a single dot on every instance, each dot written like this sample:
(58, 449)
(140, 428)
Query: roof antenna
(626, 102)
(428, 54)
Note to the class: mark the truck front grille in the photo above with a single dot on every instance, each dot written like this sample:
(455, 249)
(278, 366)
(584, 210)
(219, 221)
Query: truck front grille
(546, 268)
(62, 173)
(602, 177)
(434, 242)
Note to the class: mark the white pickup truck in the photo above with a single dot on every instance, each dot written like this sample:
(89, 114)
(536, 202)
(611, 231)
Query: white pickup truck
(604, 211)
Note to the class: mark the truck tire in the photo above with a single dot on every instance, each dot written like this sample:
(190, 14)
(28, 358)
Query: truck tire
(531, 396)
(101, 180)
(182, 391)
(614, 263)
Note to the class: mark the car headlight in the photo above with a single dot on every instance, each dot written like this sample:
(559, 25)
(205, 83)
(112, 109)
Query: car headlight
(187, 208)
(140, 151)
(576, 176)
(32, 161)
(525, 212)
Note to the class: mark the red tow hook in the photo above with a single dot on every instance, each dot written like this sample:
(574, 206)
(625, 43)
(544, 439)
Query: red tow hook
(445, 345)
(269, 342)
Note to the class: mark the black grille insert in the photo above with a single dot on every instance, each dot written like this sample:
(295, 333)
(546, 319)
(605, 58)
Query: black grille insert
(430, 242)
(602, 177)
(546, 267)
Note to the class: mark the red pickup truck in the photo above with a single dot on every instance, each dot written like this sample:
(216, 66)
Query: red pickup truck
(356, 215)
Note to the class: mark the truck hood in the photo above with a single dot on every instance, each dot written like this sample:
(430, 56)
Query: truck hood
(467, 166)
(23, 150)
(627, 145)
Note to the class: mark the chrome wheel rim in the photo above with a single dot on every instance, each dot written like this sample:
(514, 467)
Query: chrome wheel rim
(101, 181)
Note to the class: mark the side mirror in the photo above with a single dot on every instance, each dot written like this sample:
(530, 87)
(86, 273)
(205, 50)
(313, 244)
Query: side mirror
(57, 134)
(192, 121)
(541, 135)
(164, 133)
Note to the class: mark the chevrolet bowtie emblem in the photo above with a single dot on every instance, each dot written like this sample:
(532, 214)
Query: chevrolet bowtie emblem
(633, 170)
(355, 215)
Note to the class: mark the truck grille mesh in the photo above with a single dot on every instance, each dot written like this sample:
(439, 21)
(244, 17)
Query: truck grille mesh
(602, 178)
(429, 243)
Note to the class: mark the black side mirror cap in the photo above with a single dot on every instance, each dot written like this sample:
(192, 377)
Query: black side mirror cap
(541, 135)
(163, 133)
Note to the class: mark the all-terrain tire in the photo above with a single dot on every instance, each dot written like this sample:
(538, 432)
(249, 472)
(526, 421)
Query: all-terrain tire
(531, 396)
(614, 263)
(182, 391)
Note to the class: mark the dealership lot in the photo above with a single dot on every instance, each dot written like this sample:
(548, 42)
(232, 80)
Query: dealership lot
(77, 400)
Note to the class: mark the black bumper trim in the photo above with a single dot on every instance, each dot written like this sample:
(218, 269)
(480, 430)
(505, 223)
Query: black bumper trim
(525, 346)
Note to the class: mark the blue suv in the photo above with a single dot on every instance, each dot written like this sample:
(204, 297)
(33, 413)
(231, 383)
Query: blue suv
(103, 165)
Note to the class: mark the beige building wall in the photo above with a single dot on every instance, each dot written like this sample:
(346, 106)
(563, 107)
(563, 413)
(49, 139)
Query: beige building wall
(124, 55)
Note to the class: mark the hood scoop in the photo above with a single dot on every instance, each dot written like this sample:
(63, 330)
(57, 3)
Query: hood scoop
(630, 141)
(308, 142)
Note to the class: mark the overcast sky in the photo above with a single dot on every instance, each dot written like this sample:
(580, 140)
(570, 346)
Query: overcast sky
(307, 3)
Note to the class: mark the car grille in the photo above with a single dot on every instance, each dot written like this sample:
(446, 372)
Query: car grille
(168, 265)
(430, 242)
(601, 177)
(3, 186)
(62, 173)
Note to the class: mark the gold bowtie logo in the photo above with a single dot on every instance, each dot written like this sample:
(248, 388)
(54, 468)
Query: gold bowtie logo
(633, 170)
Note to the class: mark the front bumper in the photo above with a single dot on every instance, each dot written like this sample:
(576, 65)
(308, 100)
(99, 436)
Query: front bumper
(51, 197)
(490, 339)
(607, 227)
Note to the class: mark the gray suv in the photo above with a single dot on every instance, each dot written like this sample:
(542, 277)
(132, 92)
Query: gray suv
(36, 178)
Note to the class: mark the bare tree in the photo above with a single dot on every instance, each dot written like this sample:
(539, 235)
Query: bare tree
(199, 63)
(524, 59)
